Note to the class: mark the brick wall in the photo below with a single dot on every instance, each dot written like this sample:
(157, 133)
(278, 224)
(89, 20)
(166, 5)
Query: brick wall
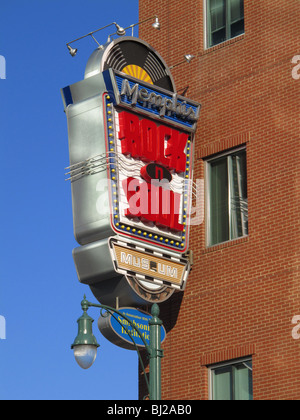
(242, 295)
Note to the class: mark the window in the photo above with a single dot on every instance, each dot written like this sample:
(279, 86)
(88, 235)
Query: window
(231, 381)
(227, 201)
(225, 20)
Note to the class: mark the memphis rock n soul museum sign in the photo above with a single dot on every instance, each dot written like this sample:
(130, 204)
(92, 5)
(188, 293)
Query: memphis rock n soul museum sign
(131, 142)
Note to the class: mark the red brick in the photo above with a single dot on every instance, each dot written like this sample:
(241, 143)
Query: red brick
(241, 296)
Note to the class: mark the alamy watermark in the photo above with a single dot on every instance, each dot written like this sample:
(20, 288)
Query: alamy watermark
(296, 68)
(2, 319)
(2, 328)
(2, 67)
(154, 198)
(296, 318)
(296, 329)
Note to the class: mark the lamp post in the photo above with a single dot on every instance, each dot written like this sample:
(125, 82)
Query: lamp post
(85, 344)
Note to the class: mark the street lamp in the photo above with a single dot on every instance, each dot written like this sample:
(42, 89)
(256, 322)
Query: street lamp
(85, 344)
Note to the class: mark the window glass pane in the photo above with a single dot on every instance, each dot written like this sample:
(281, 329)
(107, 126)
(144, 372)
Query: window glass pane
(232, 381)
(237, 10)
(237, 18)
(243, 381)
(238, 195)
(217, 21)
(219, 222)
(222, 380)
(237, 28)
(217, 14)
(218, 36)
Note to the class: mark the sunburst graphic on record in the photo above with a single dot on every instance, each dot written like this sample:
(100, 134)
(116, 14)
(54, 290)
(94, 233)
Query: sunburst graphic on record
(137, 72)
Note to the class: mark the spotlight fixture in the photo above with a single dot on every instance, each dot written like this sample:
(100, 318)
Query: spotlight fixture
(187, 59)
(73, 51)
(156, 24)
(120, 32)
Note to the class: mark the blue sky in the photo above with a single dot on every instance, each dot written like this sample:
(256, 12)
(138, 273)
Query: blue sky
(39, 292)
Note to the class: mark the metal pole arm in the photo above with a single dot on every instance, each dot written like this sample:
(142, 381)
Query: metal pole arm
(91, 33)
(112, 311)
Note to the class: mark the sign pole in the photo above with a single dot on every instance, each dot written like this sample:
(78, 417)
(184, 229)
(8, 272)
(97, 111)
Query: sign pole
(156, 353)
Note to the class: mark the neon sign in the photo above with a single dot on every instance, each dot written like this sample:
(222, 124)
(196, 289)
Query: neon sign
(150, 151)
(131, 143)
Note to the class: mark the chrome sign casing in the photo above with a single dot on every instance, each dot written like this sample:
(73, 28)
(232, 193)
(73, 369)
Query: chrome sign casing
(131, 144)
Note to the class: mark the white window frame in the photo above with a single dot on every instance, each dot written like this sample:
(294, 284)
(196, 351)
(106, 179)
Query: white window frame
(206, 25)
(213, 367)
(207, 197)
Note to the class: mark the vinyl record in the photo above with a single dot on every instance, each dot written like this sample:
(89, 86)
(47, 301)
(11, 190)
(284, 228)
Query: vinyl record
(139, 60)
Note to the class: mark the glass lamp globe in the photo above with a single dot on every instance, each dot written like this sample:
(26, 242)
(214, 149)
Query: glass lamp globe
(85, 355)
